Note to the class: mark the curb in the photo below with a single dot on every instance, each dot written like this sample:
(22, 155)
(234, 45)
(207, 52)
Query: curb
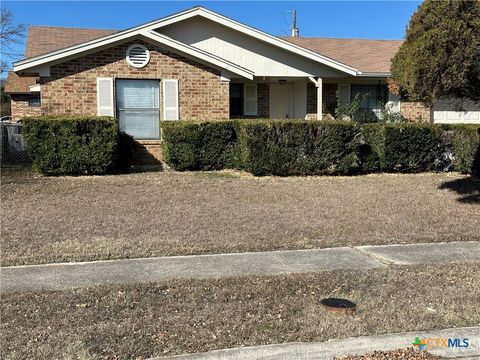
(343, 347)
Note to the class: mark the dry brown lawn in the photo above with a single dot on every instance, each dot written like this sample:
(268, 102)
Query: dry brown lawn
(55, 219)
(140, 321)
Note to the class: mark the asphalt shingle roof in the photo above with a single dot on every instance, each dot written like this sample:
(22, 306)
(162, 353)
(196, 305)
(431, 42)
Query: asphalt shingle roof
(364, 55)
(44, 39)
(19, 84)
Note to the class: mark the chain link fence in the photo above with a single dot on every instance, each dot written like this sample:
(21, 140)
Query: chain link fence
(12, 150)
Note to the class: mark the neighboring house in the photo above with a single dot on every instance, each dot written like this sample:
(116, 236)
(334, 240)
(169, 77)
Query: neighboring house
(24, 95)
(198, 64)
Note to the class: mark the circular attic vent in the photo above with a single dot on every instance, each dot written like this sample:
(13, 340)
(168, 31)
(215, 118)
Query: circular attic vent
(138, 55)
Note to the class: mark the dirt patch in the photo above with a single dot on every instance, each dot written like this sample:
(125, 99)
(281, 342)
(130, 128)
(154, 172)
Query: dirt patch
(56, 219)
(174, 317)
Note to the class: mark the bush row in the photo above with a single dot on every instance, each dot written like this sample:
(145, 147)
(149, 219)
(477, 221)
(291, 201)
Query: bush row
(294, 147)
(75, 145)
(93, 145)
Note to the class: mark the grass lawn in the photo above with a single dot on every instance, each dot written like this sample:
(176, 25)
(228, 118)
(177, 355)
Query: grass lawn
(55, 219)
(135, 322)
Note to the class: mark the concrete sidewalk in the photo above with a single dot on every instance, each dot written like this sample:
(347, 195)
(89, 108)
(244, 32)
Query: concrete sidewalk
(71, 275)
(343, 347)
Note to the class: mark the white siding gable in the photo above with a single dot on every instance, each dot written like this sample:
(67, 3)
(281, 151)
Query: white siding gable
(253, 54)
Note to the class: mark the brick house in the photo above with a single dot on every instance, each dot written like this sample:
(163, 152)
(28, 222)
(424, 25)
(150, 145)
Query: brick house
(198, 64)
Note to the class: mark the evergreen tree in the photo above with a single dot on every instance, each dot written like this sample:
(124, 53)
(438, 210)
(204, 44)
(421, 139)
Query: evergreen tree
(441, 52)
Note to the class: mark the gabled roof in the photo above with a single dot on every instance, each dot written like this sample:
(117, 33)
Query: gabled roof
(148, 28)
(356, 57)
(368, 56)
(19, 84)
(143, 31)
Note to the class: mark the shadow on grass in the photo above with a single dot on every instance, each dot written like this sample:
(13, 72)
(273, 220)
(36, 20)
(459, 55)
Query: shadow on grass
(468, 188)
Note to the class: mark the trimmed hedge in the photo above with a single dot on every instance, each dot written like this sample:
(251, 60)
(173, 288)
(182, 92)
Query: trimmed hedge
(294, 147)
(189, 145)
(466, 148)
(73, 145)
(407, 147)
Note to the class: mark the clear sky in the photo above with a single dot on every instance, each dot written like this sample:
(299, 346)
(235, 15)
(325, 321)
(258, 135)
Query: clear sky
(358, 19)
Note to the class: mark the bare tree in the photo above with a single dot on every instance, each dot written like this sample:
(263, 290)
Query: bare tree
(10, 33)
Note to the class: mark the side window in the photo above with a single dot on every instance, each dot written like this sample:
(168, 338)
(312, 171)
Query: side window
(376, 96)
(34, 101)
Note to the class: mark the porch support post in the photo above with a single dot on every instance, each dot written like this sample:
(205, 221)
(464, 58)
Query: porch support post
(319, 85)
(319, 98)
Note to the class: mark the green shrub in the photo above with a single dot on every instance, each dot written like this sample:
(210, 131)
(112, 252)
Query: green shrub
(466, 148)
(282, 147)
(189, 145)
(407, 147)
(73, 145)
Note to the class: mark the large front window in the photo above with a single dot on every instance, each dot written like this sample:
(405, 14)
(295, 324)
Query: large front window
(138, 108)
(376, 96)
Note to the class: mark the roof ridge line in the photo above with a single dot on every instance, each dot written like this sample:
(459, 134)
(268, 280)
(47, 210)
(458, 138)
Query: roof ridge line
(69, 27)
(334, 38)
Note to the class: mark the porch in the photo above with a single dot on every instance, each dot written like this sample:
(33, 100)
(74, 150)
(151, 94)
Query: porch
(303, 98)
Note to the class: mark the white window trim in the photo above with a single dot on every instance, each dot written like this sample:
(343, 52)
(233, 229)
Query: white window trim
(112, 98)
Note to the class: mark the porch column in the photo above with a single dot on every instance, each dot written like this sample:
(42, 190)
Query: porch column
(319, 85)
(319, 98)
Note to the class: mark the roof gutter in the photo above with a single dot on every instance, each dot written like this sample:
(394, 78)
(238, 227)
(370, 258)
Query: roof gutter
(374, 74)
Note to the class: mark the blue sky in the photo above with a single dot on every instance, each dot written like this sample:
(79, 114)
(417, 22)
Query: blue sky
(358, 19)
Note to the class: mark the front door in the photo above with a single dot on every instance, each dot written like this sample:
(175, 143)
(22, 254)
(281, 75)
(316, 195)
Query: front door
(281, 101)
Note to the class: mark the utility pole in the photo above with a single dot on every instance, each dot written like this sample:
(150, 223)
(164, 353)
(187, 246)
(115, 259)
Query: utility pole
(294, 29)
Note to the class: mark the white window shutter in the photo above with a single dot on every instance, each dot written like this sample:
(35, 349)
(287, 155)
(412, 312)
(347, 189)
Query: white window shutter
(170, 99)
(344, 94)
(250, 99)
(105, 97)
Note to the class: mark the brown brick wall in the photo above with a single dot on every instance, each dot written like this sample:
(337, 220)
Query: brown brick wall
(329, 95)
(415, 111)
(71, 88)
(20, 108)
(148, 152)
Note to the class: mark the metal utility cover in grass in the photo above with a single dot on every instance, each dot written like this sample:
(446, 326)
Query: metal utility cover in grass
(340, 306)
